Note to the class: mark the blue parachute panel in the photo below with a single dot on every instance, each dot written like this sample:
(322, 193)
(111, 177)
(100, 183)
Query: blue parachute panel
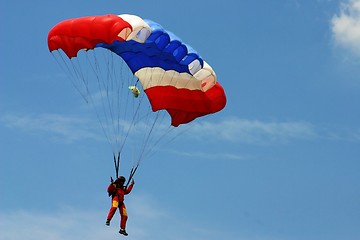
(161, 49)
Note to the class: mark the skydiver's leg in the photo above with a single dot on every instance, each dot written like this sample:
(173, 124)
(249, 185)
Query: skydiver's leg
(112, 210)
(124, 216)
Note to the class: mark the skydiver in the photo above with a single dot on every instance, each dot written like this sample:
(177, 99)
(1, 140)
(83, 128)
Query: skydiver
(117, 190)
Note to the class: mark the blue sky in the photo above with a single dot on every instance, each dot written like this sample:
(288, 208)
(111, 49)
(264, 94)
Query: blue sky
(281, 161)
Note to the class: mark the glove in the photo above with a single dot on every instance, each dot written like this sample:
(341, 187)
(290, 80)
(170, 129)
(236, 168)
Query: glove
(132, 182)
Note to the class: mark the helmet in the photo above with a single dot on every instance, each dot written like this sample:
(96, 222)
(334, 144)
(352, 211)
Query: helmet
(121, 179)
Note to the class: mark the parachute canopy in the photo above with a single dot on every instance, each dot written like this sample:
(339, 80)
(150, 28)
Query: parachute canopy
(172, 74)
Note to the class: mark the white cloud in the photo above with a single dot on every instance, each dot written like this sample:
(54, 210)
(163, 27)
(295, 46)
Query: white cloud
(147, 220)
(211, 155)
(56, 225)
(346, 26)
(254, 131)
(68, 129)
(233, 130)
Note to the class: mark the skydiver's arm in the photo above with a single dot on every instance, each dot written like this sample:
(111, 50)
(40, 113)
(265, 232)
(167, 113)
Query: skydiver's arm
(129, 188)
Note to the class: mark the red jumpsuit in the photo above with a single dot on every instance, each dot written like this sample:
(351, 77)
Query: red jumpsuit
(118, 202)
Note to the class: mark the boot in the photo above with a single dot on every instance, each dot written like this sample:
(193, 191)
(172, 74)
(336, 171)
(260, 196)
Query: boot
(123, 232)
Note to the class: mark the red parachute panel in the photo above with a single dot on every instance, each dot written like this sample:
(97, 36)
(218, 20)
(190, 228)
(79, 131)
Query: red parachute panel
(185, 105)
(85, 32)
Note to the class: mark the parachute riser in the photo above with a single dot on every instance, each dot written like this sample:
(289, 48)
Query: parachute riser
(132, 173)
(117, 167)
(117, 164)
